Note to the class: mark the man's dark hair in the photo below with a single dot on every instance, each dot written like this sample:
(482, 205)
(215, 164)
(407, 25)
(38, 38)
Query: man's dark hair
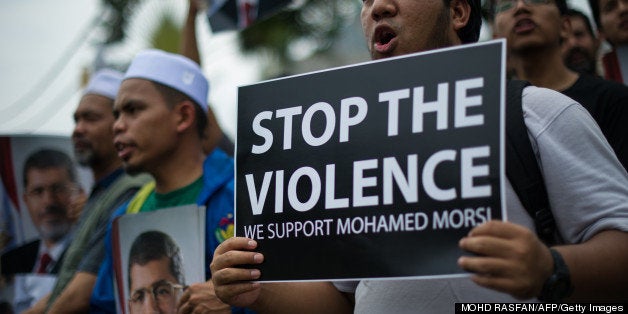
(595, 12)
(562, 6)
(154, 245)
(49, 158)
(575, 13)
(470, 33)
(173, 96)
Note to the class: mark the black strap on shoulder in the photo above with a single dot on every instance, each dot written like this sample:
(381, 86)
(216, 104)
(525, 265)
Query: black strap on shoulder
(522, 167)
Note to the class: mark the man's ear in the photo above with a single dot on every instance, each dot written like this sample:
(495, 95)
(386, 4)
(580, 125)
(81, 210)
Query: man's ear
(460, 13)
(565, 27)
(185, 115)
(495, 31)
(597, 41)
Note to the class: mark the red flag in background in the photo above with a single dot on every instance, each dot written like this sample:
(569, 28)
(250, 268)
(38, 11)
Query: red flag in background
(6, 170)
(239, 14)
(10, 229)
(247, 11)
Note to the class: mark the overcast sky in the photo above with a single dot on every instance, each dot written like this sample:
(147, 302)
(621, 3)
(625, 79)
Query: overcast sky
(41, 64)
(34, 35)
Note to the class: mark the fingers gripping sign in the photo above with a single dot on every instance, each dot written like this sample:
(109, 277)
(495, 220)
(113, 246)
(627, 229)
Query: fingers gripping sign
(201, 298)
(509, 258)
(233, 284)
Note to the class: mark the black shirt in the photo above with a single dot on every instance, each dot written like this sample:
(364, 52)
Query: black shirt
(607, 102)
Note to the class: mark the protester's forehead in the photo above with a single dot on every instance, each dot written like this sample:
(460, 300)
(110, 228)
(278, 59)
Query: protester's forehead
(37, 175)
(135, 89)
(94, 102)
(131, 84)
(579, 22)
(151, 273)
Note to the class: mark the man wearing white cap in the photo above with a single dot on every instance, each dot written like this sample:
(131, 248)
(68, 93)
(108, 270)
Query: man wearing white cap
(93, 147)
(161, 115)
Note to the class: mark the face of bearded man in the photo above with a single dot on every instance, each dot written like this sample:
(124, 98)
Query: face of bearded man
(48, 195)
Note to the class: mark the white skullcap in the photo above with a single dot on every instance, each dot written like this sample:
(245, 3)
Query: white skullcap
(172, 70)
(105, 82)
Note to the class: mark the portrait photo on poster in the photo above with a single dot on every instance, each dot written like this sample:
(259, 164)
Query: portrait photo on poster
(156, 254)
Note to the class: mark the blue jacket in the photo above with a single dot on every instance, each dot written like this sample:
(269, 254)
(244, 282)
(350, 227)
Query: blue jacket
(218, 197)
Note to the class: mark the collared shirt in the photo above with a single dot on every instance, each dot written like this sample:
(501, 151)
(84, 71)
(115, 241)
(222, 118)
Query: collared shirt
(98, 188)
(105, 182)
(55, 252)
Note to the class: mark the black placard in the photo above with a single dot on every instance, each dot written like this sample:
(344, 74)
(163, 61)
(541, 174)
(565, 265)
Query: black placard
(373, 170)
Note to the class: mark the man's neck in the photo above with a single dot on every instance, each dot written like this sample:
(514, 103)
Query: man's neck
(182, 167)
(50, 244)
(543, 68)
(102, 170)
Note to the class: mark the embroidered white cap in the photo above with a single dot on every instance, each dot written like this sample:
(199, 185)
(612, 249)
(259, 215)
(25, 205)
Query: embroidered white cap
(172, 70)
(105, 82)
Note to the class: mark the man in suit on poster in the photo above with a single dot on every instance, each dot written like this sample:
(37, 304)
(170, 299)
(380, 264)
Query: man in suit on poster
(51, 190)
(50, 186)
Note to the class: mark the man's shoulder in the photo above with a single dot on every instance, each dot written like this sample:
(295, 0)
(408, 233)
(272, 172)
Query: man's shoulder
(536, 92)
(588, 81)
(133, 181)
(27, 247)
(543, 107)
(598, 95)
(598, 87)
(545, 99)
(217, 173)
(218, 189)
(21, 258)
(126, 186)
(116, 194)
(217, 160)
